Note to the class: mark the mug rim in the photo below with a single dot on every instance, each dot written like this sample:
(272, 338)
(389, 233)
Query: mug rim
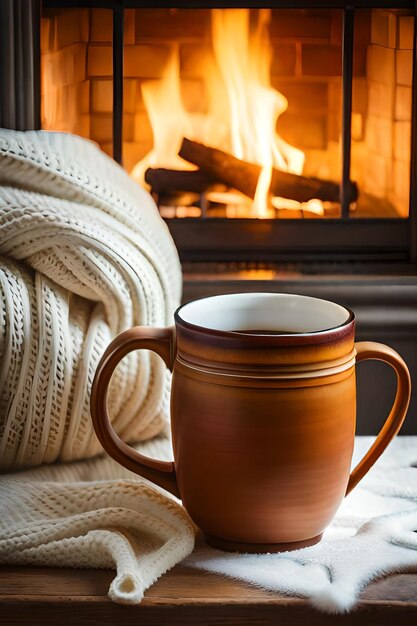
(290, 337)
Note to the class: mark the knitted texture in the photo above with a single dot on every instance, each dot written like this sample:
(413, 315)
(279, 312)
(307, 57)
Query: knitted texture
(85, 255)
(109, 520)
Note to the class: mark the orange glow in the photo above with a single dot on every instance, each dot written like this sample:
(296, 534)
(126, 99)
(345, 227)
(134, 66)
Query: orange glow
(313, 206)
(243, 107)
(169, 120)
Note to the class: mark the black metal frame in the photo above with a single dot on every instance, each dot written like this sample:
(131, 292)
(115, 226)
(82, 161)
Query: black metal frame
(19, 64)
(344, 238)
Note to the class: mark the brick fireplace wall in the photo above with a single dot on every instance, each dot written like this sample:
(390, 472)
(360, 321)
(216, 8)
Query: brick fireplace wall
(65, 96)
(386, 158)
(77, 87)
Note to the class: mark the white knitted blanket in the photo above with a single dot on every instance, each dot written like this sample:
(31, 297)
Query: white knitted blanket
(84, 255)
(94, 513)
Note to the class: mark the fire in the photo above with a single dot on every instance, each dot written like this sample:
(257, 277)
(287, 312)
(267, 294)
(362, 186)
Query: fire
(169, 120)
(244, 60)
(260, 201)
(243, 107)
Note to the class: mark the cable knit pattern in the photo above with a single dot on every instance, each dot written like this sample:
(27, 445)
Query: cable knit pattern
(94, 513)
(85, 255)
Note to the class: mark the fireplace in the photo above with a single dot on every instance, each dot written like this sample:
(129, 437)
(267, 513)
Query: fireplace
(311, 111)
(347, 72)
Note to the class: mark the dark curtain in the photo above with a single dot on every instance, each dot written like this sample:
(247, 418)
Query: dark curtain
(20, 64)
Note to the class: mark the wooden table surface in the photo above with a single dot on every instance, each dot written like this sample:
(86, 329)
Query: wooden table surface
(60, 597)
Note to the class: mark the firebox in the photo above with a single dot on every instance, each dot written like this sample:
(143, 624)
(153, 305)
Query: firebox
(263, 133)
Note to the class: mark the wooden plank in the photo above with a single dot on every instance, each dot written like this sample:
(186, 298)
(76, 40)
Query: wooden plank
(181, 584)
(104, 613)
(43, 596)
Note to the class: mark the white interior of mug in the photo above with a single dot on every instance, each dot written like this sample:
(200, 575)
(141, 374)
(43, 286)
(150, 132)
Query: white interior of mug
(274, 312)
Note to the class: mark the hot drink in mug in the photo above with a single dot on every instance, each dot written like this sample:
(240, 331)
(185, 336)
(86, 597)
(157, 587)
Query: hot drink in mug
(263, 409)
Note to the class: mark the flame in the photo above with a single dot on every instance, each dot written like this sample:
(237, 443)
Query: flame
(244, 61)
(260, 201)
(168, 117)
(243, 107)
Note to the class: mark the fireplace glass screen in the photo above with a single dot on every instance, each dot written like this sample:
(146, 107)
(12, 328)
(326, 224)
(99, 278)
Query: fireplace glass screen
(243, 113)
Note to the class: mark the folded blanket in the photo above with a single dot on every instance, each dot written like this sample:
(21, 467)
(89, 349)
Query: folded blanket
(85, 255)
(94, 513)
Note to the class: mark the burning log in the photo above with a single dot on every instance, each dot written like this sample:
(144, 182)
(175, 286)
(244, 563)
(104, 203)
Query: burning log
(241, 175)
(163, 181)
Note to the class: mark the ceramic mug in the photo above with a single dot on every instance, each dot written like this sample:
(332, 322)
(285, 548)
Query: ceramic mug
(263, 409)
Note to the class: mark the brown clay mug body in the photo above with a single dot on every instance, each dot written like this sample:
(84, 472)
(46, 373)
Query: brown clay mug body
(263, 409)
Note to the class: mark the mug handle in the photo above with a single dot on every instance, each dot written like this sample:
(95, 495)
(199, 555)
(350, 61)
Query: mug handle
(161, 341)
(381, 352)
